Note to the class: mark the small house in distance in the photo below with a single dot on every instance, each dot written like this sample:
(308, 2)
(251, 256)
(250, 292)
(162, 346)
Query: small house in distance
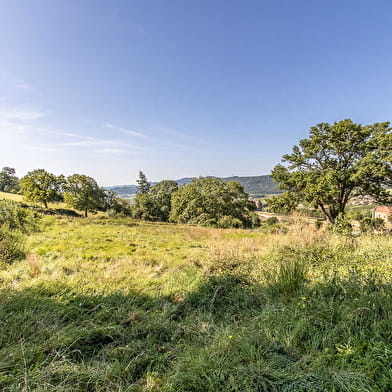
(383, 212)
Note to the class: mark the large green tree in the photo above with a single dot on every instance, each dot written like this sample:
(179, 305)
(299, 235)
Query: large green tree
(336, 162)
(161, 194)
(42, 187)
(8, 180)
(211, 201)
(83, 193)
(155, 205)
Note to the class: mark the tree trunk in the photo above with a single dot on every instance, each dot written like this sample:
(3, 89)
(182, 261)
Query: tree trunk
(45, 204)
(328, 214)
(85, 213)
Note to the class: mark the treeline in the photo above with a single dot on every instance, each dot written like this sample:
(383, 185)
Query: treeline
(78, 191)
(205, 201)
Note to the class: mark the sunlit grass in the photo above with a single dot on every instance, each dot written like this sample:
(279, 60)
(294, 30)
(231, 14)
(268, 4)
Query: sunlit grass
(20, 198)
(119, 305)
(10, 196)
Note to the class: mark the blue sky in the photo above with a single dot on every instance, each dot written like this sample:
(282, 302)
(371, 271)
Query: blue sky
(183, 88)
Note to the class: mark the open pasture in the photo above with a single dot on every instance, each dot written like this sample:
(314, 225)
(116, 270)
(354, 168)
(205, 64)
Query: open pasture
(105, 304)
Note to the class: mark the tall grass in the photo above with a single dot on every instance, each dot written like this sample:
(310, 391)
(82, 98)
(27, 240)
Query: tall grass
(117, 305)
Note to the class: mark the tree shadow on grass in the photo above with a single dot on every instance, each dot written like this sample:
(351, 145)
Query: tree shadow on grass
(228, 334)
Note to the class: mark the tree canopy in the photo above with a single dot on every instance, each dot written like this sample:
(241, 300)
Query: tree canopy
(8, 179)
(83, 193)
(212, 201)
(283, 203)
(143, 184)
(155, 205)
(336, 162)
(42, 187)
(161, 194)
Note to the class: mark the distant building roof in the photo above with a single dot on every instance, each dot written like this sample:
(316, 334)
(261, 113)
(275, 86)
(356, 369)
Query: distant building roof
(385, 209)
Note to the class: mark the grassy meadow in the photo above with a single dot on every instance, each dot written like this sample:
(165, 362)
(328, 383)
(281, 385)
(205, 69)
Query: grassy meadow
(10, 196)
(112, 304)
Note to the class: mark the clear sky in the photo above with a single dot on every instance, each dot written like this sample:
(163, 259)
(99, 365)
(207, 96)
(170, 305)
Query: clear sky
(183, 87)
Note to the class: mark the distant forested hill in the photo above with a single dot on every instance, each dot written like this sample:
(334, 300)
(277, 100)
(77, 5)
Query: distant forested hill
(254, 185)
(257, 185)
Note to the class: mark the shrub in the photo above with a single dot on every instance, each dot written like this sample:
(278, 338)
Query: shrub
(254, 220)
(272, 221)
(228, 222)
(15, 216)
(370, 224)
(204, 220)
(379, 224)
(11, 245)
(342, 225)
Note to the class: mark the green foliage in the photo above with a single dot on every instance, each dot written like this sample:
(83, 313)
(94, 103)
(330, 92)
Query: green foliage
(284, 203)
(39, 186)
(155, 205)
(342, 225)
(12, 246)
(228, 222)
(370, 224)
(115, 205)
(379, 224)
(206, 200)
(8, 180)
(273, 220)
(336, 162)
(15, 221)
(83, 193)
(358, 214)
(143, 185)
(161, 195)
(290, 278)
(143, 207)
(254, 220)
(14, 216)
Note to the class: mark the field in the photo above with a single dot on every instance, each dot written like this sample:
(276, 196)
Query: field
(104, 304)
(54, 208)
(10, 196)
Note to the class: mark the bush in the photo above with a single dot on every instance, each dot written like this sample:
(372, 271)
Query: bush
(370, 224)
(342, 226)
(359, 214)
(254, 220)
(11, 245)
(228, 222)
(272, 221)
(204, 220)
(15, 216)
